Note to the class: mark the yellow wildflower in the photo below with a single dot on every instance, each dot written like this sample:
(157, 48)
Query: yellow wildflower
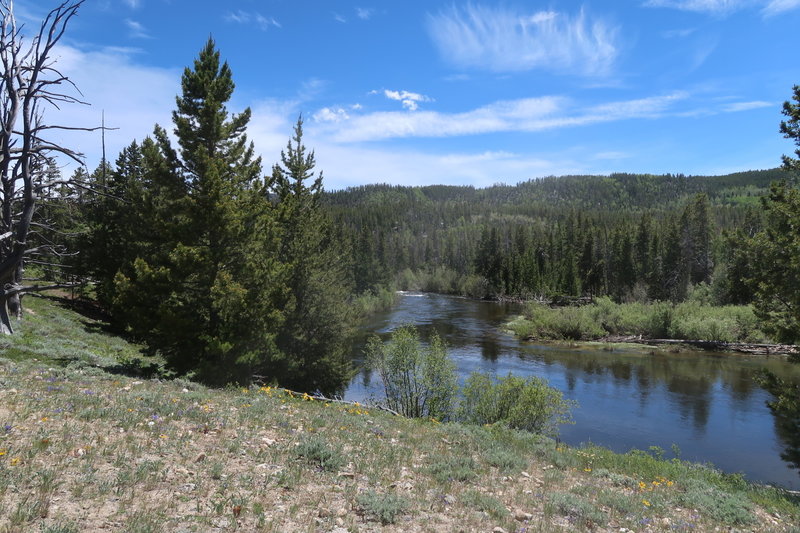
(646, 503)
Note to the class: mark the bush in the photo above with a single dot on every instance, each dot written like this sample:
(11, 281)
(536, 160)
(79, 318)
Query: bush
(318, 452)
(384, 508)
(527, 404)
(419, 381)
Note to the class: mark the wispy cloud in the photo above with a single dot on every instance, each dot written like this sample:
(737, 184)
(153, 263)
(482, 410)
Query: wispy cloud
(505, 40)
(725, 7)
(775, 7)
(247, 17)
(137, 30)
(133, 4)
(364, 13)
(408, 99)
(339, 18)
(679, 34)
(746, 106)
(522, 115)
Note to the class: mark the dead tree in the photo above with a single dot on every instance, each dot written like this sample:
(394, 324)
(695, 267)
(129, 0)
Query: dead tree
(30, 84)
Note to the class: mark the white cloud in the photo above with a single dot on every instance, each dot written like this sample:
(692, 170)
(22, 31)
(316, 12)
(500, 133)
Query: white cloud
(330, 114)
(745, 106)
(408, 99)
(724, 7)
(364, 13)
(246, 17)
(774, 7)
(504, 40)
(338, 18)
(527, 114)
(133, 4)
(127, 107)
(137, 30)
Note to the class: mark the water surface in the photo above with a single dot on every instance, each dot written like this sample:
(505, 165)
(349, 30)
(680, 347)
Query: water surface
(707, 404)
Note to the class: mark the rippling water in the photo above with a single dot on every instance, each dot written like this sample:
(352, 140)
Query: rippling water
(707, 404)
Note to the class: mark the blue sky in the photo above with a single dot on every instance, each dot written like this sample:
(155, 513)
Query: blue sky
(455, 92)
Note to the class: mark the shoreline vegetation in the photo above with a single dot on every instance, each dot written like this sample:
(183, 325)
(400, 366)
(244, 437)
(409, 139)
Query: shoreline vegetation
(692, 324)
(88, 443)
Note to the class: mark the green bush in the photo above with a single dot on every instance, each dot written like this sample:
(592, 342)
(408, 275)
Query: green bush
(384, 508)
(419, 381)
(318, 452)
(527, 404)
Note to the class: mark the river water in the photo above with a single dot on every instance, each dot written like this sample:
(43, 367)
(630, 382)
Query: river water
(707, 404)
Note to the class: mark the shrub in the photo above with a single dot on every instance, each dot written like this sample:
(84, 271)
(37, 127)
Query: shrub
(316, 451)
(384, 508)
(419, 381)
(527, 404)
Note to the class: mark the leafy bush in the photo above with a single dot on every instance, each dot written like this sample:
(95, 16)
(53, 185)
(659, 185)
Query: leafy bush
(728, 507)
(519, 403)
(419, 381)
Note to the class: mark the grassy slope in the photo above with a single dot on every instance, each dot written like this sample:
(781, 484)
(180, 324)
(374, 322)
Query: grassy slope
(82, 449)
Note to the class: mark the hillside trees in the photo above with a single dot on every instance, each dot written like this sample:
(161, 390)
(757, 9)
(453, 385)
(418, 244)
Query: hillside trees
(30, 85)
(229, 274)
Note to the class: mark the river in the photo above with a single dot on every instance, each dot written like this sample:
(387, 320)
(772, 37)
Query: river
(707, 404)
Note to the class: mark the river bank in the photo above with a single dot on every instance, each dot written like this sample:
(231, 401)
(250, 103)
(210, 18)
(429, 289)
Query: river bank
(85, 447)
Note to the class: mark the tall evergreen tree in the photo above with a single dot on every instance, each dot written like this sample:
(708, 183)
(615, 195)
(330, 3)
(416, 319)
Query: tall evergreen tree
(314, 333)
(207, 292)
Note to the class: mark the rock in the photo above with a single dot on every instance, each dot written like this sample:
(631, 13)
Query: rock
(200, 457)
(449, 499)
(499, 529)
(522, 516)
(325, 513)
(349, 475)
(340, 522)
(525, 474)
(341, 512)
(339, 529)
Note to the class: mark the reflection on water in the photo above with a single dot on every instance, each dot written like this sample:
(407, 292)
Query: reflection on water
(707, 404)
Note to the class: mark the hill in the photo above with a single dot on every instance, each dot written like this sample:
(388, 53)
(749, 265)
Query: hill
(86, 446)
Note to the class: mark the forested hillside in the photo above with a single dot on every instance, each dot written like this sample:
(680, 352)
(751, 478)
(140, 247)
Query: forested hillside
(625, 235)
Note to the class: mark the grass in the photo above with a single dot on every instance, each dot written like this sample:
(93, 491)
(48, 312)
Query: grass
(85, 449)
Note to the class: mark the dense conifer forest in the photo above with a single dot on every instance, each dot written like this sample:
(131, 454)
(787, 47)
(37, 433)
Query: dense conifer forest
(629, 236)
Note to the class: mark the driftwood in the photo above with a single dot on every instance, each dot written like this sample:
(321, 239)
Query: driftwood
(721, 346)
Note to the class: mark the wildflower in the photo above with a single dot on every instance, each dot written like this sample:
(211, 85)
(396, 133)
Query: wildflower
(646, 503)
(670, 483)
(15, 461)
(3, 451)
(587, 469)
(44, 419)
(162, 436)
(642, 485)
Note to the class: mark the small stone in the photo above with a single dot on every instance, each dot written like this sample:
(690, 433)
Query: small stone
(499, 529)
(340, 522)
(349, 475)
(268, 441)
(522, 516)
(449, 500)
(340, 512)
(324, 513)
(200, 457)
(525, 474)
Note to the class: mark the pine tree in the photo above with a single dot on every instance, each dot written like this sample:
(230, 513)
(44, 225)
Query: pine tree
(314, 331)
(205, 286)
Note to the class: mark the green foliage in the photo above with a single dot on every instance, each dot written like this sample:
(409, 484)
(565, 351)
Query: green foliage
(419, 381)
(519, 403)
(313, 333)
(726, 507)
(577, 508)
(384, 508)
(660, 320)
(453, 468)
(484, 503)
(224, 273)
(317, 451)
